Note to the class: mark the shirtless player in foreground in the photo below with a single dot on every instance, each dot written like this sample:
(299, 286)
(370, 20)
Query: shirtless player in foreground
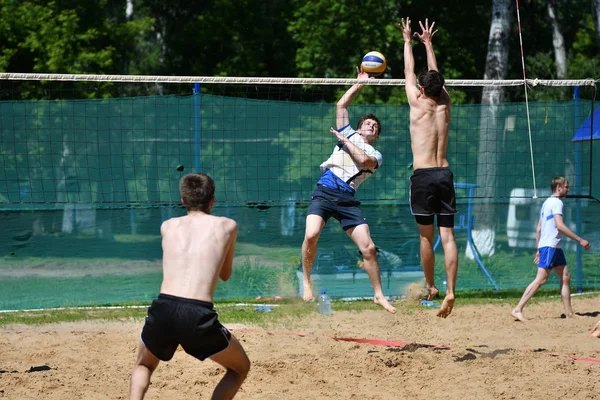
(198, 249)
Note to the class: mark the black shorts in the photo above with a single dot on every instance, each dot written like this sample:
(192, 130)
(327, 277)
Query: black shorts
(193, 324)
(431, 193)
(327, 203)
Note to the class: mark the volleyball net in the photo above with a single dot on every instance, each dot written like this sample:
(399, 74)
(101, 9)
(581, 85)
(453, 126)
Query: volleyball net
(90, 165)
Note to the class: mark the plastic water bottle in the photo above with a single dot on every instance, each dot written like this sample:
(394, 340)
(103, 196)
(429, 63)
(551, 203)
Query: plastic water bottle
(324, 303)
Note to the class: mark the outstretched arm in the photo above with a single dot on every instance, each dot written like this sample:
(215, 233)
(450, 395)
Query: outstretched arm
(342, 117)
(409, 62)
(425, 38)
(409, 59)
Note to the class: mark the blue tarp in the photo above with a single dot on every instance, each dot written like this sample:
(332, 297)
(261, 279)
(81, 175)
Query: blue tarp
(583, 133)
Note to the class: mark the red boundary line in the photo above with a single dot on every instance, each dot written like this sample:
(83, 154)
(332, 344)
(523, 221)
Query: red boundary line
(592, 360)
(388, 343)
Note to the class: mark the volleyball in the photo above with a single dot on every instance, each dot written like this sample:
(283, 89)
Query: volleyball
(373, 63)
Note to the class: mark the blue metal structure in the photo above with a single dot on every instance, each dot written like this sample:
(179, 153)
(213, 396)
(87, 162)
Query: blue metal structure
(467, 224)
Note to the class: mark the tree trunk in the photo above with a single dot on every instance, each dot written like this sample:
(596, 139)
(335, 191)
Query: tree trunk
(560, 55)
(496, 65)
(596, 16)
(129, 10)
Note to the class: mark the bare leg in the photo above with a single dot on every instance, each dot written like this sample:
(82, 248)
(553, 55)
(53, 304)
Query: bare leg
(237, 364)
(361, 235)
(565, 289)
(540, 279)
(428, 259)
(146, 363)
(451, 264)
(314, 226)
(596, 331)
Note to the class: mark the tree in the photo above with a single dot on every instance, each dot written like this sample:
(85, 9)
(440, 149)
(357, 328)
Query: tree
(58, 37)
(596, 16)
(221, 37)
(496, 67)
(560, 54)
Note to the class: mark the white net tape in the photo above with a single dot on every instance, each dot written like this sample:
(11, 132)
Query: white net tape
(280, 81)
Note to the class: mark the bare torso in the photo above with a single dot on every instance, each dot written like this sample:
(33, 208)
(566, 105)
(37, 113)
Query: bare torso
(196, 248)
(429, 122)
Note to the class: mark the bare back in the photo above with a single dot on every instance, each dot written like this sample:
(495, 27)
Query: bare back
(197, 250)
(429, 122)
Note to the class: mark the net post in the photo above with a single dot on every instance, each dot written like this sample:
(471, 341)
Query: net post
(197, 127)
(578, 251)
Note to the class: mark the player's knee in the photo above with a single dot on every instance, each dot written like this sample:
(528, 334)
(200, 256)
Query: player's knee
(311, 238)
(369, 251)
(447, 237)
(246, 369)
(242, 369)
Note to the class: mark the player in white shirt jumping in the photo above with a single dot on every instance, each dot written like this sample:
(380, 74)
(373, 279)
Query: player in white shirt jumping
(549, 232)
(352, 161)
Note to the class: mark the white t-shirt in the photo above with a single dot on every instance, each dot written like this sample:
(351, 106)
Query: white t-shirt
(342, 165)
(550, 236)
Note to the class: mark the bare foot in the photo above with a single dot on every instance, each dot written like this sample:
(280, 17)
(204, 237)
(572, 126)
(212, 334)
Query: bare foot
(596, 331)
(572, 315)
(382, 301)
(447, 306)
(518, 315)
(433, 293)
(308, 293)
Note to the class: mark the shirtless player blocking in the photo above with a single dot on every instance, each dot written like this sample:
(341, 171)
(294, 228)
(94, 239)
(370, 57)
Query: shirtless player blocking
(432, 183)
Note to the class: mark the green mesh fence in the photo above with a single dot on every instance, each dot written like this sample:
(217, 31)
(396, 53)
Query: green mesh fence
(85, 184)
(127, 150)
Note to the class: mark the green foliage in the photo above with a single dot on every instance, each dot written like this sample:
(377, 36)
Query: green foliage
(323, 38)
(56, 37)
(584, 60)
(334, 36)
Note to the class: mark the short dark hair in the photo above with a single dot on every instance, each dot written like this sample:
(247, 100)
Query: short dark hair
(557, 180)
(197, 190)
(432, 83)
(369, 116)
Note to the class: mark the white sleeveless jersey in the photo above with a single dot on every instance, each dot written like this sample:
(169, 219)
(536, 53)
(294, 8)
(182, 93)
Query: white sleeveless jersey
(342, 165)
(550, 236)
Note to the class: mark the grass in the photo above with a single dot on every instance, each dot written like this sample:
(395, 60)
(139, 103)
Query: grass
(277, 254)
(286, 313)
(241, 311)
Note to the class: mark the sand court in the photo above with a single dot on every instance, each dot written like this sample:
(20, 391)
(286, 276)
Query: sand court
(479, 351)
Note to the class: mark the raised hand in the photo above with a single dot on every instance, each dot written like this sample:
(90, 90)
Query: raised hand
(361, 74)
(339, 135)
(427, 33)
(405, 28)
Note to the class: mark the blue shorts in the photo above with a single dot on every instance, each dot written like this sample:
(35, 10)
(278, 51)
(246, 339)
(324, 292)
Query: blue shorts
(551, 257)
(327, 203)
